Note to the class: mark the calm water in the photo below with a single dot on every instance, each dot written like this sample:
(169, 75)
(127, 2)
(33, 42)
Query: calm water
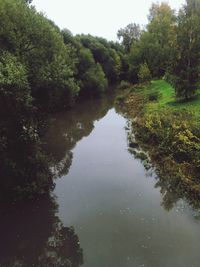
(119, 216)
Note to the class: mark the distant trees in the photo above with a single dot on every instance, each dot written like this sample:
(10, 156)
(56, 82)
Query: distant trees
(104, 53)
(161, 37)
(169, 45)
(90, 75)
(155, 43)
(130, 34)
(94, 81)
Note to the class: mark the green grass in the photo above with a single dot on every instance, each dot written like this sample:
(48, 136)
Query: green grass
(167, 99)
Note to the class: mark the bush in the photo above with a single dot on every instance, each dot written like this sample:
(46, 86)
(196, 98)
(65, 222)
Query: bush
(94, 81)
(174, 134)
(124, 85)
(13, 76)
(144, 73)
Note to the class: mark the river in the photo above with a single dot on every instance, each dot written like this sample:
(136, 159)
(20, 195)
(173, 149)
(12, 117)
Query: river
(121, 216)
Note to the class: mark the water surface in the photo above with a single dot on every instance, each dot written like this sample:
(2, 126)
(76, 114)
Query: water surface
(122, 215)
(118, 214)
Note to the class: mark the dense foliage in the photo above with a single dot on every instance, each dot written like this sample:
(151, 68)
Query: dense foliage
(42, 68)
(185, 70)
(169, 45)
(165, 135)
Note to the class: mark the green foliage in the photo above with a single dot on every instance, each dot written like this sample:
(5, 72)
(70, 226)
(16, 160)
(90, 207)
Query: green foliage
(173, 134)
(94, 81)
(12, 73)
(91, 78)
(156, 43)
(108, 57)
(57, 83)
(13, 77)
(14, 88)
(144, 73)
(124, 85)
(169, 133)
(20, 152)
(38, 44)
(130, 34)
(172, 140)
(170, 46)
(185, 70)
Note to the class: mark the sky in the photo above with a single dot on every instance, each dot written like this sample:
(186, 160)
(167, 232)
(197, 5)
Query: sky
(98, 17)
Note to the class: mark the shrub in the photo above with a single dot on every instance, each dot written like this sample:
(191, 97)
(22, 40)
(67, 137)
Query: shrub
(124, 85)
(144, 73)
(94, 81)
(174, 134)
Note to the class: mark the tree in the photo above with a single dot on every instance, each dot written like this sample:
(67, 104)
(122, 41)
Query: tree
(130, 34)
(185, 70)
(107, 56)
(144, 73)
(94, 81)
(156, 43)
(38, 43)
(162, 33)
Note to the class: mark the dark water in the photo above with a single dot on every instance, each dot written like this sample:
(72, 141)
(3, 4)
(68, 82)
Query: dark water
(120, 217)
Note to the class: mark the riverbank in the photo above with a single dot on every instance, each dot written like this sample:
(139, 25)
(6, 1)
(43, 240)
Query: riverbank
(168, 132)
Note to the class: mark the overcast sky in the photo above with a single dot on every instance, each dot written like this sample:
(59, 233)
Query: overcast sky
(98, 17)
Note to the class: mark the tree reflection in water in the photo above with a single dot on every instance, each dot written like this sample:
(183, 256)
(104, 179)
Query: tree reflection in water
(31, 232)
(33, 235)
(171, 187)
(64, 130)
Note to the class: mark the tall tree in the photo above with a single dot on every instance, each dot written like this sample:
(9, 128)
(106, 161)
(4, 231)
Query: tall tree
(155, 46)
(185, 70)
(130, 34)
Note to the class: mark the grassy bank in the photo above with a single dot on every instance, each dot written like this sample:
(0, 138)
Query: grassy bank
(169, 132)
(166, 99)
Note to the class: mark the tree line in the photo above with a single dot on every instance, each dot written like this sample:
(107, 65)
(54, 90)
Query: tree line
(168, 46)
(42, 68)
(49, 65)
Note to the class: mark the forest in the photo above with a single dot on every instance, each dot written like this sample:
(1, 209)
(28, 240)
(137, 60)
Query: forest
(44, 69)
